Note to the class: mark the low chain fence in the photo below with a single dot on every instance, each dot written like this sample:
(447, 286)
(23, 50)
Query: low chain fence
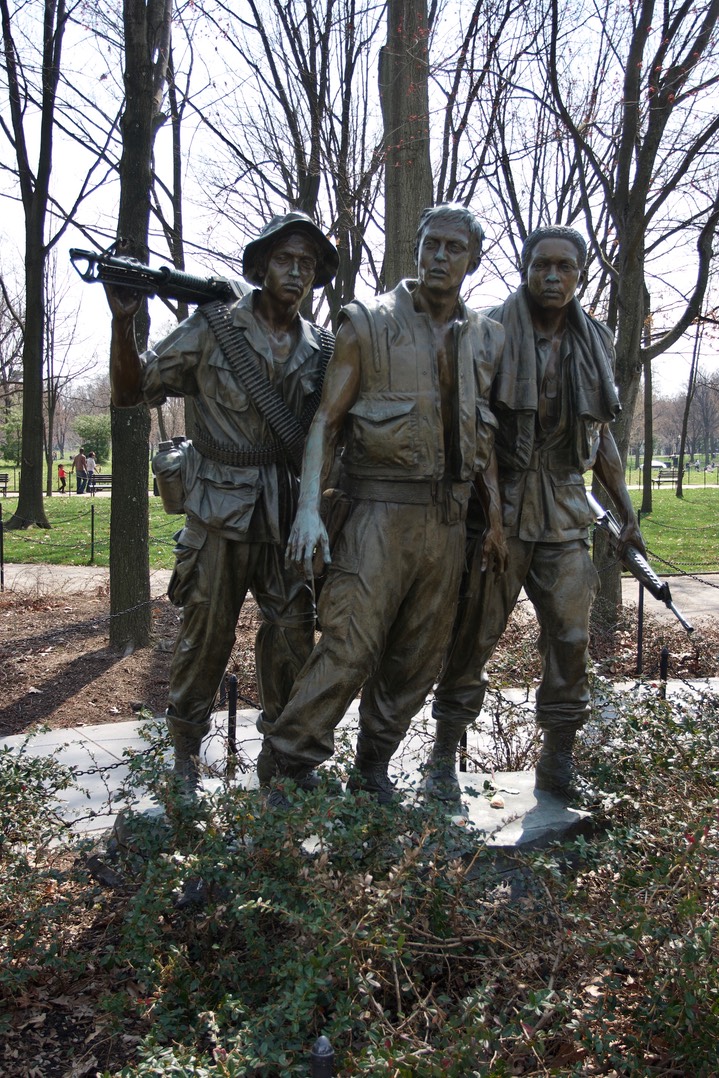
(97, 542)
(83, 549)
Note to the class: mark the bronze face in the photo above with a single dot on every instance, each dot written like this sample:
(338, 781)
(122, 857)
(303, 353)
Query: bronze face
(444, 257)
(553, 274)
(291, 269)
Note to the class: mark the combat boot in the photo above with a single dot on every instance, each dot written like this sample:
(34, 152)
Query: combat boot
(555, 772)
(440, 771)
(187, 759)
(273, 766)
(370, 773)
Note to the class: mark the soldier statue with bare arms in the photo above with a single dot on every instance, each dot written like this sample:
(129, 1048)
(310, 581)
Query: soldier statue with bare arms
(406, 395)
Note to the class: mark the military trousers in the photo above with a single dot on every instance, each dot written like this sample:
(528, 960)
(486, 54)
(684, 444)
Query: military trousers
(210, 582)
(386, 612)
(561, 582)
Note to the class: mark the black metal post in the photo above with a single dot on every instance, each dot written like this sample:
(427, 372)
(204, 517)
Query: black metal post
(463, 752)
(640, 631)
(231, 723)
(92, 532)
(322, 1059)
(2, 552)
(663, 672)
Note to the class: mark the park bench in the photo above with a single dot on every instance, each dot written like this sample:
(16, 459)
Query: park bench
(101, 481)
(4, 480)
(666, 475)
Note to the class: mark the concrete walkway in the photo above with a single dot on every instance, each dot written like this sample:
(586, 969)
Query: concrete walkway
(69, 579)
(501, 809)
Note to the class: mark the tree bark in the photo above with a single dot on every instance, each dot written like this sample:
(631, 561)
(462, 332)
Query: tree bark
(30, 507)
(691, 390)
(648, 440)
(404, 95)
(147, 40)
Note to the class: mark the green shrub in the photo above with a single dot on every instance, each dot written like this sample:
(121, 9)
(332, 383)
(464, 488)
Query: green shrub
(234, 935)
(94, 433)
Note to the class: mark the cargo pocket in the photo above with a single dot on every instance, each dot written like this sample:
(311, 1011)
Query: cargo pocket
(189, 542)
(456, 500)
(383, 431)
(223, 385)
(571, 510)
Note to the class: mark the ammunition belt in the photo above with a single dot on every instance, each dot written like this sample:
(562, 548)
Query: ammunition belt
(250, 457)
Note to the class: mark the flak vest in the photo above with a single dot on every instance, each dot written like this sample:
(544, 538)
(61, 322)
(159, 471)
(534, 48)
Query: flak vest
(394, 431)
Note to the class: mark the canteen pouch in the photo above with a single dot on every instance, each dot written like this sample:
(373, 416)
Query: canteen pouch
(167, 467)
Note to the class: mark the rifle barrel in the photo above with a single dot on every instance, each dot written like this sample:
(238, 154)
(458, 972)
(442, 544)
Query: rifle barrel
(635, 561)
(169, 283)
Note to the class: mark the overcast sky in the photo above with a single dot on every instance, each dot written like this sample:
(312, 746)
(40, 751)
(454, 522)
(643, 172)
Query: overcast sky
(92, 336)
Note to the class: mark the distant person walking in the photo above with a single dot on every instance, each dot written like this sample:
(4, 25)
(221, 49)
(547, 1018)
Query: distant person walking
(92, 467)
(79, 467)
(61, 478)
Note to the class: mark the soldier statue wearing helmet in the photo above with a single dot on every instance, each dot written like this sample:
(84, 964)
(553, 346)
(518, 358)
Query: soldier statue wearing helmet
(240, 487)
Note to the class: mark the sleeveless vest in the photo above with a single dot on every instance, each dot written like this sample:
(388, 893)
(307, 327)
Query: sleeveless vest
(395, 430)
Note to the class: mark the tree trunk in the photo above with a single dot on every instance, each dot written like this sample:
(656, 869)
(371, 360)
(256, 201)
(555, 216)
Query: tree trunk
(34, 186)
(129, 529)
(648, 428)
(632, 310)
(49, 433)
(176, 234)
(30, 507)
(649, 442)
(691, 389)
(403, 86)
(147, 34)
(162, 430)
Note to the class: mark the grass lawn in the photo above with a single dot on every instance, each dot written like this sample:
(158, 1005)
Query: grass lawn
(69, 541)
(683, 533)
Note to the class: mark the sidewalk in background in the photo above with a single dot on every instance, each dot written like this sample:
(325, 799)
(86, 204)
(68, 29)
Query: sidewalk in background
(695, 596)
(57, 579)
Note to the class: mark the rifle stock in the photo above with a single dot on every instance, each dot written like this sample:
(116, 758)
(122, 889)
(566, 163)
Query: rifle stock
(165, 282)
(635, 561)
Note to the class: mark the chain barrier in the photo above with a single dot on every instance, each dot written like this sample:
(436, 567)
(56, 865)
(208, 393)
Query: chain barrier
(99, 544)
(674, 528)
(683, 572)
(168, 540)
(151, 751)
(153, 754)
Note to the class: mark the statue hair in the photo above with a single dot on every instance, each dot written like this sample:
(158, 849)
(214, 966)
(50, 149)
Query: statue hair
(554, 232)
(456, 211)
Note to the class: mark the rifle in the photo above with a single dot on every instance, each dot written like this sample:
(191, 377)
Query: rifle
(635, 562)
(164, 282)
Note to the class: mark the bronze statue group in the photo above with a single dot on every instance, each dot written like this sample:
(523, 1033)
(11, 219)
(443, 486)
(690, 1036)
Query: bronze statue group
(457, 441)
